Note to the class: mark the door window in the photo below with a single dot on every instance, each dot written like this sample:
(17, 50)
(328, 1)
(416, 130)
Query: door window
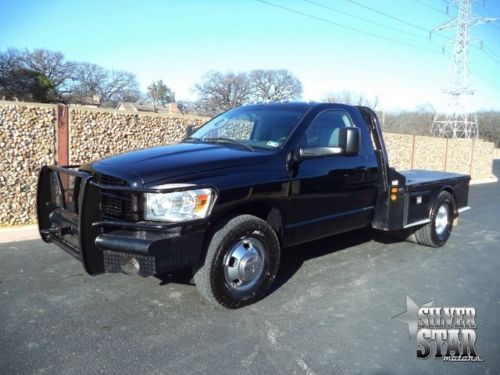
(324, 131)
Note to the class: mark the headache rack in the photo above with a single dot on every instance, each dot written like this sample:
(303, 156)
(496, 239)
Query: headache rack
(74, 207)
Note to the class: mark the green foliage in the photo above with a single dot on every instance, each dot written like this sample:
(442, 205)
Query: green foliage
(160, 93)
(43, 89)
(28, 85)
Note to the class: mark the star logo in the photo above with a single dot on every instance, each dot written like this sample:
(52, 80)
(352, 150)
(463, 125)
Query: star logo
(410, 316)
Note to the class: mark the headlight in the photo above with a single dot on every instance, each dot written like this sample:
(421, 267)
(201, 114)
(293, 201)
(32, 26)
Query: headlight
(179, 205)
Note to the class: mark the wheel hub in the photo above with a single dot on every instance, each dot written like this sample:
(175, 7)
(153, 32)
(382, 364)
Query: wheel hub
(442, 220)
(244, 264)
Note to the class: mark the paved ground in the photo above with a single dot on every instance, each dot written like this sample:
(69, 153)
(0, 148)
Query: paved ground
(329, 313)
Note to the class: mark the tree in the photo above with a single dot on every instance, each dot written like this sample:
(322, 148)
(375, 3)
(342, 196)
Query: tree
(120, 86)
(352, 98)
(91, 80)
(221, 91)
(38, 75)
(49, 63)
(274, 85)
(18, 81)
(159, 92)
(87, 81)
(27, 85)
(45, 76)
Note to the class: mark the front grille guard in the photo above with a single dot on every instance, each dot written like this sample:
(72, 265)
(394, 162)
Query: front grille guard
(57, 223)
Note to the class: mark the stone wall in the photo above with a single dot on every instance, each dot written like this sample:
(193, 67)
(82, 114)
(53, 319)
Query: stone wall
(467, 156)
(400, 150)
(28, 136)
(108, 132)
(27, 141)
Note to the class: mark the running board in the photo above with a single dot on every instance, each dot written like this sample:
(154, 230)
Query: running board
(420, 222)
(426, 221)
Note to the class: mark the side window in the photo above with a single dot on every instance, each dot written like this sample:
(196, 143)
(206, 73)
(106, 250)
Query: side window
(324, 131)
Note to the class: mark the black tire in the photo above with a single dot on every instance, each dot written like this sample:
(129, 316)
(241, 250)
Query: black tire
(211, 278)
(435, 234)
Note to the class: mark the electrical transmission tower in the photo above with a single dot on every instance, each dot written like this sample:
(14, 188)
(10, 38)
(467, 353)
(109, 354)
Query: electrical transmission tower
(458, 120)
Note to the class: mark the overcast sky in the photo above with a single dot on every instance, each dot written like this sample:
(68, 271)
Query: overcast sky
(178, 41)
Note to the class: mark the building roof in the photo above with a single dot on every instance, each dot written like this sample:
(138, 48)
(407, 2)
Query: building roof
(137, 107)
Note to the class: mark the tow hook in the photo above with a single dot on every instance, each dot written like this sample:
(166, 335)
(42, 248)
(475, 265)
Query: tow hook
(58, 231)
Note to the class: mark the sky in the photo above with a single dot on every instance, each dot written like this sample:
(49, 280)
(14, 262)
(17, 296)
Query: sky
(326, 48)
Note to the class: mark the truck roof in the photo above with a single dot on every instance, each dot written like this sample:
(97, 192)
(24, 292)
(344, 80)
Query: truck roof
(303, 105)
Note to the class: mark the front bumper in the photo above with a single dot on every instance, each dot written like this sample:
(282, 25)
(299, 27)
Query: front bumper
(69, 215)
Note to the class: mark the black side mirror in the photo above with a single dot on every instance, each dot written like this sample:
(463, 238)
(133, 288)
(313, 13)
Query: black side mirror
(349, 141)
(349, 145)
(189, 130)
(316, 152)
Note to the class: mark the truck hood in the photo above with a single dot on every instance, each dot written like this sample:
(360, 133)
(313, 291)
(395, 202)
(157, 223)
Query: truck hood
(159, 164)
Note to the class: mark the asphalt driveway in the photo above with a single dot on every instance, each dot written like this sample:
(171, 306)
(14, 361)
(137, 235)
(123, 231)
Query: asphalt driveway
(330, 311)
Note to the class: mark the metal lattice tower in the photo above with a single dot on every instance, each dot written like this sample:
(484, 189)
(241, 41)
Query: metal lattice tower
(458, 120)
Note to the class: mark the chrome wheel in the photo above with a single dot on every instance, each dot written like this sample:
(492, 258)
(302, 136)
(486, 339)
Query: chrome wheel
(442, 220)
(244, 264)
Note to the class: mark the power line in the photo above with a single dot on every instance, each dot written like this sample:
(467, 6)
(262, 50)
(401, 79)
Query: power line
(430, 6)
(458, 120)
(491, 55)
(364, 19)
(479, 77)
(485, 81)
(304, 14)
(390, 16)
(497, 26)
(346, 27)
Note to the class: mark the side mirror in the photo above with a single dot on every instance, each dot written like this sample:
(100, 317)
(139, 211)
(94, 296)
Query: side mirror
(349, 141)
(189, 130)
(315, 152)
(349, 145)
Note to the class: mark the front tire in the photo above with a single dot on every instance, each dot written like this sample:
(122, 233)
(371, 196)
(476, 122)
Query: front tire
(437, 232)
(241, 262)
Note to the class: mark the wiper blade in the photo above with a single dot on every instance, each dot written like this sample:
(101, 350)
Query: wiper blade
(228, 140)
(192, 139)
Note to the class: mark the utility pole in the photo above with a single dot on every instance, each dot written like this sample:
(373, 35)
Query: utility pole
(458, 120)
(154, 97)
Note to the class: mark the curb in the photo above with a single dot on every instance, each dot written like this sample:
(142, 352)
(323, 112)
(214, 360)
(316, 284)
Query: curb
(484, 181)
(19, 233)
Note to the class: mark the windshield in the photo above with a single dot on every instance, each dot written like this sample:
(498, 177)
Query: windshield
(251, 127)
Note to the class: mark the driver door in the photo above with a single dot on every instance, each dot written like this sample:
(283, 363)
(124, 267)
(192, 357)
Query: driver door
(329, 194)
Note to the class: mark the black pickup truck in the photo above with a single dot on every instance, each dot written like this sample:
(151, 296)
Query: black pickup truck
(228, 199)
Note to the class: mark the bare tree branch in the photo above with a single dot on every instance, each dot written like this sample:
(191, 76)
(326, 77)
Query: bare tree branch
(352, 98)
(221, 91)
(274, 85)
